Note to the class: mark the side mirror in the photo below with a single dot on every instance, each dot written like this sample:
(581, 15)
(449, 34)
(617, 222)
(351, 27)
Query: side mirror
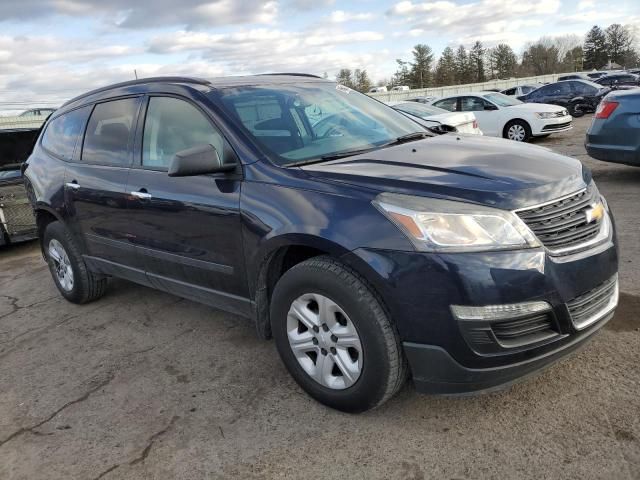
(197, 160)
(490, 107)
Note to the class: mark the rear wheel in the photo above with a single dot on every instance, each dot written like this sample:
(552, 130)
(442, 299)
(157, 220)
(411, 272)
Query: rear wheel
(334, 336)
(517, 130)
(576, 110)
(70, 274)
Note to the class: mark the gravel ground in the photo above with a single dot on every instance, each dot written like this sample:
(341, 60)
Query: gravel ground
(145, 385)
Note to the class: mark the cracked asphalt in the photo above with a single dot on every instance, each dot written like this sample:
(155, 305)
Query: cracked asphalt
(144, 385)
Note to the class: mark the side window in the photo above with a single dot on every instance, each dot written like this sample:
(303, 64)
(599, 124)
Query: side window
(173, 125)
(109, 133)
(447, 104)
(62, 133)
(512, 91)
(472, 104)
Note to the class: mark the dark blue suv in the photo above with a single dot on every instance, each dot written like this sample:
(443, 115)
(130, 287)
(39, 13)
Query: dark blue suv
(370, 250)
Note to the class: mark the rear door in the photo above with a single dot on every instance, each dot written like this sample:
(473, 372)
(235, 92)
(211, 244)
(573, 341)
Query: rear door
(95, 185)
(186, 229)
(488, 120)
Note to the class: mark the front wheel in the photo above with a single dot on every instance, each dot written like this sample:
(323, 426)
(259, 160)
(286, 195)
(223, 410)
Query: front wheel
(334, 336)
(576, 110)
(517, 130)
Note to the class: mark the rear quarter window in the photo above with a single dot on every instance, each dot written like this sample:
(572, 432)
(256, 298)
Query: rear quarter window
(62, 133)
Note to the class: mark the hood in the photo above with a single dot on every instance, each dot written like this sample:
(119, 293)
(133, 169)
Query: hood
(536, 107)
(471, 168)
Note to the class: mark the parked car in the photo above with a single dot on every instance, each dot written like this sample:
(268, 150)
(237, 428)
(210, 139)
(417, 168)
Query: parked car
(367, 251)
(382, 89)
(400, 88)
(17, 222)
(577, 96)
(438, 120)
(520, 90)
(619, 80)
(501, 116)
(614, 134)
(423, 99)
(573, 76)
(595, 75)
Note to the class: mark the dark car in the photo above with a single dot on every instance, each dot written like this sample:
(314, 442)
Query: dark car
(573, 76)
(577, 96)
(619, 79)
(17, 222)
(367, 250)
(594, 75)
(614, 134)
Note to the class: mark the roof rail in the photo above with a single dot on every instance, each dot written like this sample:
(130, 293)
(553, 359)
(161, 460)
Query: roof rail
(140, 81)
(293, 74)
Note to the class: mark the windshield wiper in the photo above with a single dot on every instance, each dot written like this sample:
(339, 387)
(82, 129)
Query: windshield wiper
(409, 137)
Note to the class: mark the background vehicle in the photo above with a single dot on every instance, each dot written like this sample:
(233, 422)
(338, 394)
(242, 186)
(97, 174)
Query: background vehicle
(29, 119)
(595, 75)
(17, 222)
(501, 116)
(400, 88)
(520, 90)
(618, 80)
(614, 134)
(573, 76)
(381, 89)
(424, 99)
(437, 119)
(362, 248)
(577, 96)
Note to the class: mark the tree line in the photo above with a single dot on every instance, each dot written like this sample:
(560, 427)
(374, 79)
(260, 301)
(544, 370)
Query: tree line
(568, 53)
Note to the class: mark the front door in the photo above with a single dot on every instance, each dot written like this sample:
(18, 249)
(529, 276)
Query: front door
(187, 229)
(488, 120)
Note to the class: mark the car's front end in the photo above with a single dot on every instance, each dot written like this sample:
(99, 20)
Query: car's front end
(546, 119)
(514, 261)
(613, 134)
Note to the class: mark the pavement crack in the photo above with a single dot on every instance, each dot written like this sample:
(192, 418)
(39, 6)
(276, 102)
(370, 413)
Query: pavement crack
(151, 441)
(106, 472)
(80, 399)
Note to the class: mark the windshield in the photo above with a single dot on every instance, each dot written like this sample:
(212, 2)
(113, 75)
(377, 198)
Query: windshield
(419, 109)
(502, 100)
(306, 122)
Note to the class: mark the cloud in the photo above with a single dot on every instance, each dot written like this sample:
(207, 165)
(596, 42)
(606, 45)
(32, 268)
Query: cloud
(493, 20)
(148, 13)
(340, 16)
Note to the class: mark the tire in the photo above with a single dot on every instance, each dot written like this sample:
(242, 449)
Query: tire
(65, 262)
(376, 366)
(517, 130)
(575, 110)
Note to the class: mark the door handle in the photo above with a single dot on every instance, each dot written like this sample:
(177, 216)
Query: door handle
(141, 195)
(72, 185)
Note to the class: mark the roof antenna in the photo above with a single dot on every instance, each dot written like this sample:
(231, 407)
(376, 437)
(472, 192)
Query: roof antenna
(135, 73)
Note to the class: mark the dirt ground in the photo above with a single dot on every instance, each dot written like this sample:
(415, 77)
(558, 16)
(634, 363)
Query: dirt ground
(145, 385)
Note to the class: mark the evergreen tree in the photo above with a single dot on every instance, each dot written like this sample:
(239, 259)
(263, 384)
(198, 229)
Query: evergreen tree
(446, 69)
(345, 77)
(401, 77)
(463, 70)
(595, 49)
(361, 80)
(504, 61)
(421, 67)
(476, 62)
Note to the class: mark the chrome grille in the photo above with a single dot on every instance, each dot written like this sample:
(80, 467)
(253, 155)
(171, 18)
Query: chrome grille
(591, 306)
(563, 223)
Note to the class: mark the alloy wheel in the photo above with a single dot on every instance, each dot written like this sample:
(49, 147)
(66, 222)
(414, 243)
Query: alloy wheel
(325, 341)
(61, 265)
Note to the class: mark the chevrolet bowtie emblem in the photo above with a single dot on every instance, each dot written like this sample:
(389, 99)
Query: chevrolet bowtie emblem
(595, 212)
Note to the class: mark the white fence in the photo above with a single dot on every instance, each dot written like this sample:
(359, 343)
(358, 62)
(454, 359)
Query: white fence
(470, 87)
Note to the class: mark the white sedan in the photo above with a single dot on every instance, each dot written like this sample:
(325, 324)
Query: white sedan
(436, 119)
(501, 116)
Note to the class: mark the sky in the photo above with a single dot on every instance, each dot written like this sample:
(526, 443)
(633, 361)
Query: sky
(51, 50)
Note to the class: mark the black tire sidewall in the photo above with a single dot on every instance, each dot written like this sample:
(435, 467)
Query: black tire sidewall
(371, 385)
(57, 231)
(525, 125)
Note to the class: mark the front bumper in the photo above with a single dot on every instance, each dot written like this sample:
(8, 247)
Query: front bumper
(420, 288)
(552, 125)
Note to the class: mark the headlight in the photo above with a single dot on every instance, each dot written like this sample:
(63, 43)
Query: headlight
(445, 226)
(546, 114)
